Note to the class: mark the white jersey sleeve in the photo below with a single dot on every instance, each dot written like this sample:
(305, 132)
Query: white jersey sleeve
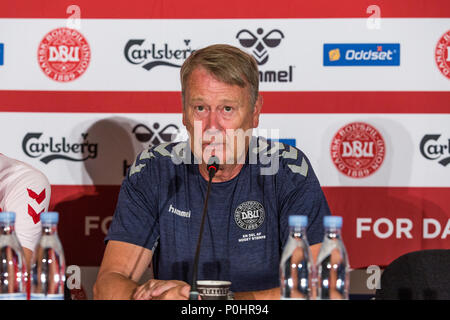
(25, 191)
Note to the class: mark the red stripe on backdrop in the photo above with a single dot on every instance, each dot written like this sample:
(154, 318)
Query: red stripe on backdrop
(86, 214)
(274, 102)
(395, 214)
(206, 9)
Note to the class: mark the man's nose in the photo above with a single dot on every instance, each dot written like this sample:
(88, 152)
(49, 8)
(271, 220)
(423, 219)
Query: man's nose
(212, 121)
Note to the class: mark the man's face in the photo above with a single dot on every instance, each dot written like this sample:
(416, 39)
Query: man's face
(213, 113)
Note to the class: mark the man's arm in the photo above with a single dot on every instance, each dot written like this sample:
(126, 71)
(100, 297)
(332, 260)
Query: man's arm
(272, 294)
(28, 254)
(162, 290)
(122, 266)
(28, 197)
(172, 289)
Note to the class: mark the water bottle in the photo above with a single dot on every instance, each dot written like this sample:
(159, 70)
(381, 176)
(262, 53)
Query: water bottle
(13, 271)
(296, 265)
(48, 267)
(332, 263)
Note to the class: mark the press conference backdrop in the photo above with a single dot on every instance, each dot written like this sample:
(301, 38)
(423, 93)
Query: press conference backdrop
(362, 87)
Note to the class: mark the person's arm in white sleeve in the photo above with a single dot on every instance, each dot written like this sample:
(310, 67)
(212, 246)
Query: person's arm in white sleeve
(28, 197)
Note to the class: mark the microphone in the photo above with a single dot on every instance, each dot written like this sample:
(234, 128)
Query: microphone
(213, 167)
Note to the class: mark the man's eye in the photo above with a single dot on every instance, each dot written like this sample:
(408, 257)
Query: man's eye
(228, 109)
(200, 108)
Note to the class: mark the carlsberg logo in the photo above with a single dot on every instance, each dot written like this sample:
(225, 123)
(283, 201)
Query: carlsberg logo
(154, 55)
(48, 149)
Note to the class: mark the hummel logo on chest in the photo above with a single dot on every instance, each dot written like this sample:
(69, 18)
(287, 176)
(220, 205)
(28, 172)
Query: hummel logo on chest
(185, 214)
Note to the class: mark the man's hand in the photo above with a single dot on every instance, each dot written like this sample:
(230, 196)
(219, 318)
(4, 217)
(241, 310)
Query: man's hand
(162, 290)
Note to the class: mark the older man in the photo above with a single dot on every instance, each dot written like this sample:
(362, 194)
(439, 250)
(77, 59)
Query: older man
(161, 200)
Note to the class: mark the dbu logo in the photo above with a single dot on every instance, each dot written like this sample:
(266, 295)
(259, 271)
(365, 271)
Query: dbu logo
(357, 149)
(250, 214)
(259, 43)
(64, 54)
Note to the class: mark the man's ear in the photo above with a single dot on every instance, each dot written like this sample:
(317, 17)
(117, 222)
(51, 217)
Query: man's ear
(183, 116)
(257, 110)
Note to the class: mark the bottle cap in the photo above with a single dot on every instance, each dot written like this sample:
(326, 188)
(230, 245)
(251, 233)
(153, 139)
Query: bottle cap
(332, 222)
(298, 221)
(50, 217)
(7, 217)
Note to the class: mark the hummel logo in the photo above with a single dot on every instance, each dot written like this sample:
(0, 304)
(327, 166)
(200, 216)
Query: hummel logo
(186, 214)
(38, 198)
(259, 43)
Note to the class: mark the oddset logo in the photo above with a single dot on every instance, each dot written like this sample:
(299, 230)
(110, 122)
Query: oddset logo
(64, 54)
(358, 150)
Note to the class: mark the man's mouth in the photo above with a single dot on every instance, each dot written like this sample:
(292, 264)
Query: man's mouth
(212, 144)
